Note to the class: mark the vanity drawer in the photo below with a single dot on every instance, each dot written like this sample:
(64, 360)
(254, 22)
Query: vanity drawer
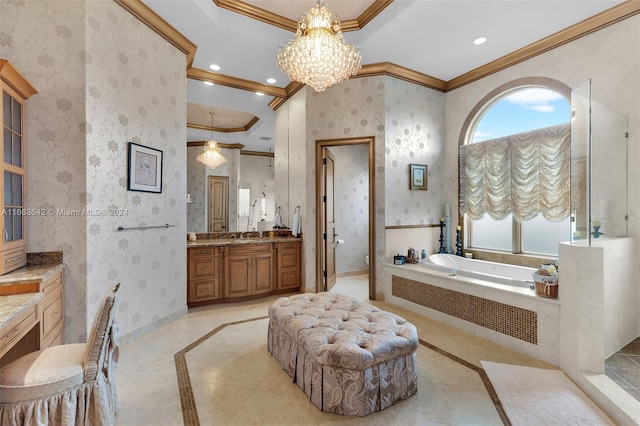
(204, 268)
(244, 249)
(15, 330)
(52, 312)
(293, 245)
(288, 279)
(12, 259)
(288, 259)
(201, 290)
(195, 252)
(52, 283)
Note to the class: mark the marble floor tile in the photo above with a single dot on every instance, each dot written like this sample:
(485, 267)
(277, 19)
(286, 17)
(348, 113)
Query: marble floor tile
(356, 286)
(623, 367)
(234, 380)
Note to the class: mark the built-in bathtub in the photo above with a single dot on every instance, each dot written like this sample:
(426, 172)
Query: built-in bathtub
(510, 275)
(489, 299)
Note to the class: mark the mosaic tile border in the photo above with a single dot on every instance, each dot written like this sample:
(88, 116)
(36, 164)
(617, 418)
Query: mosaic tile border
(187, 400)
(188, 403)
(510, 320)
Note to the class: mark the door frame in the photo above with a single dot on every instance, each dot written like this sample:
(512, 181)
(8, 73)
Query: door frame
(210, 180)
(326, 143)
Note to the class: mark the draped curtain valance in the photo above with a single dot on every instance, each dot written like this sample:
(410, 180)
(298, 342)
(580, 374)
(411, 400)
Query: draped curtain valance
(524, 174)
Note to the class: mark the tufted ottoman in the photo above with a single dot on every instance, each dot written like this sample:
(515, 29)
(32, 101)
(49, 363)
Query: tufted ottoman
(348, 357)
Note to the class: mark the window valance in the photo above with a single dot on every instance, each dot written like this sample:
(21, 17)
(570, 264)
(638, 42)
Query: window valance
(523, 174)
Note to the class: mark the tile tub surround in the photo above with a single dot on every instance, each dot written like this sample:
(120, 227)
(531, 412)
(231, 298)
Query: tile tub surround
(510, 320)
(545, 312)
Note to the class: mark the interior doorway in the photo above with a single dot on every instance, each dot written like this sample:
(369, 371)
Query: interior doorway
(326, 234)
(218, 204)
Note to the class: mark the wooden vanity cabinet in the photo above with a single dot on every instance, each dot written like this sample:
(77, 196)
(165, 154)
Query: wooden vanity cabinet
(15, 91)
(52, 312)
(248, 270)
(204, 274)
(289, 270)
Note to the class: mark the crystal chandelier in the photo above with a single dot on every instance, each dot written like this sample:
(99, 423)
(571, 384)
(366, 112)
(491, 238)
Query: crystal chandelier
(319, 56)
(211, 157)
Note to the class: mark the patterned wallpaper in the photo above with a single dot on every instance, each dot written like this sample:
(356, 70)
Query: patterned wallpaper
(45, 41)
(353, 108)
(351, 186)
(414, 124)
(407, 123)
(197, 187)
(135, 91)
(103, 79)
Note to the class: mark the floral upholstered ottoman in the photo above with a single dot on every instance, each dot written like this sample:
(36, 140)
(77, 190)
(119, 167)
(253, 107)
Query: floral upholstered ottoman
(348, 357)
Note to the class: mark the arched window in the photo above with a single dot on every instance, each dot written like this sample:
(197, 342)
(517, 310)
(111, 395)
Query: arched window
(515, 169)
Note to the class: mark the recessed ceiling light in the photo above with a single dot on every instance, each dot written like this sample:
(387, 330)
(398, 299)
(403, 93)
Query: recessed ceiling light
(271, 80)
(215, 67)
(479, 40)
(259, 93)
(208, 83)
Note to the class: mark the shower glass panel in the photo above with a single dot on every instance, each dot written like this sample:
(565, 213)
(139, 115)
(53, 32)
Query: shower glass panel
(599, 164)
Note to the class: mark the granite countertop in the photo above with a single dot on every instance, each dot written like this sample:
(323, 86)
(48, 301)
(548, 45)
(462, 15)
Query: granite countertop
(239, 241)
(12, 306)
(29, 274)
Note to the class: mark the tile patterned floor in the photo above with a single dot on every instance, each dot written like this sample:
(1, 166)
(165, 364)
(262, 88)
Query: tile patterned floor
(623, 367)
(356, 286)
(234, 380)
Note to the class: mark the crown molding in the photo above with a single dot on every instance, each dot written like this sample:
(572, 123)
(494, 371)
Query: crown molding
(257, 153)
(15, 80)
(397, 71)
(288, 24)
(246, 127)
(160, 26)
(569, 34)
(583, 28)
(235, 82)
(220, 144)
(257, 13)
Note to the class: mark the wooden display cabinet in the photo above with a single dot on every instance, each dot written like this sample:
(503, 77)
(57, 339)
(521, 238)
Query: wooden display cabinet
(15, 91)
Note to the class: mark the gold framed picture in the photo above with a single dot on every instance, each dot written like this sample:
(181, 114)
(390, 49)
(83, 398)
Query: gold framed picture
(418, 176)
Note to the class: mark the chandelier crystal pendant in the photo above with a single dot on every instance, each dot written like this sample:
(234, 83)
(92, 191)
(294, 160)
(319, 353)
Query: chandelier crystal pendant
(319, 56)
(211, 157)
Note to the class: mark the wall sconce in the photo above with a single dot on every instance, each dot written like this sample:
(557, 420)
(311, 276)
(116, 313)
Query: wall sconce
(189, 199)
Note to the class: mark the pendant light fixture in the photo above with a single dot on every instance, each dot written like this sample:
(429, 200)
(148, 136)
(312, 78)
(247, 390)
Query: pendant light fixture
(319, 56)
(211, 157)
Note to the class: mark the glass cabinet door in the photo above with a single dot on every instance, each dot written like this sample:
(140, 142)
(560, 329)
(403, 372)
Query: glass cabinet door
(13, 176)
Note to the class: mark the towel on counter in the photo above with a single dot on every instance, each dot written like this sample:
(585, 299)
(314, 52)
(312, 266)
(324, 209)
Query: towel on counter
(295, 226)
(278, 220)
